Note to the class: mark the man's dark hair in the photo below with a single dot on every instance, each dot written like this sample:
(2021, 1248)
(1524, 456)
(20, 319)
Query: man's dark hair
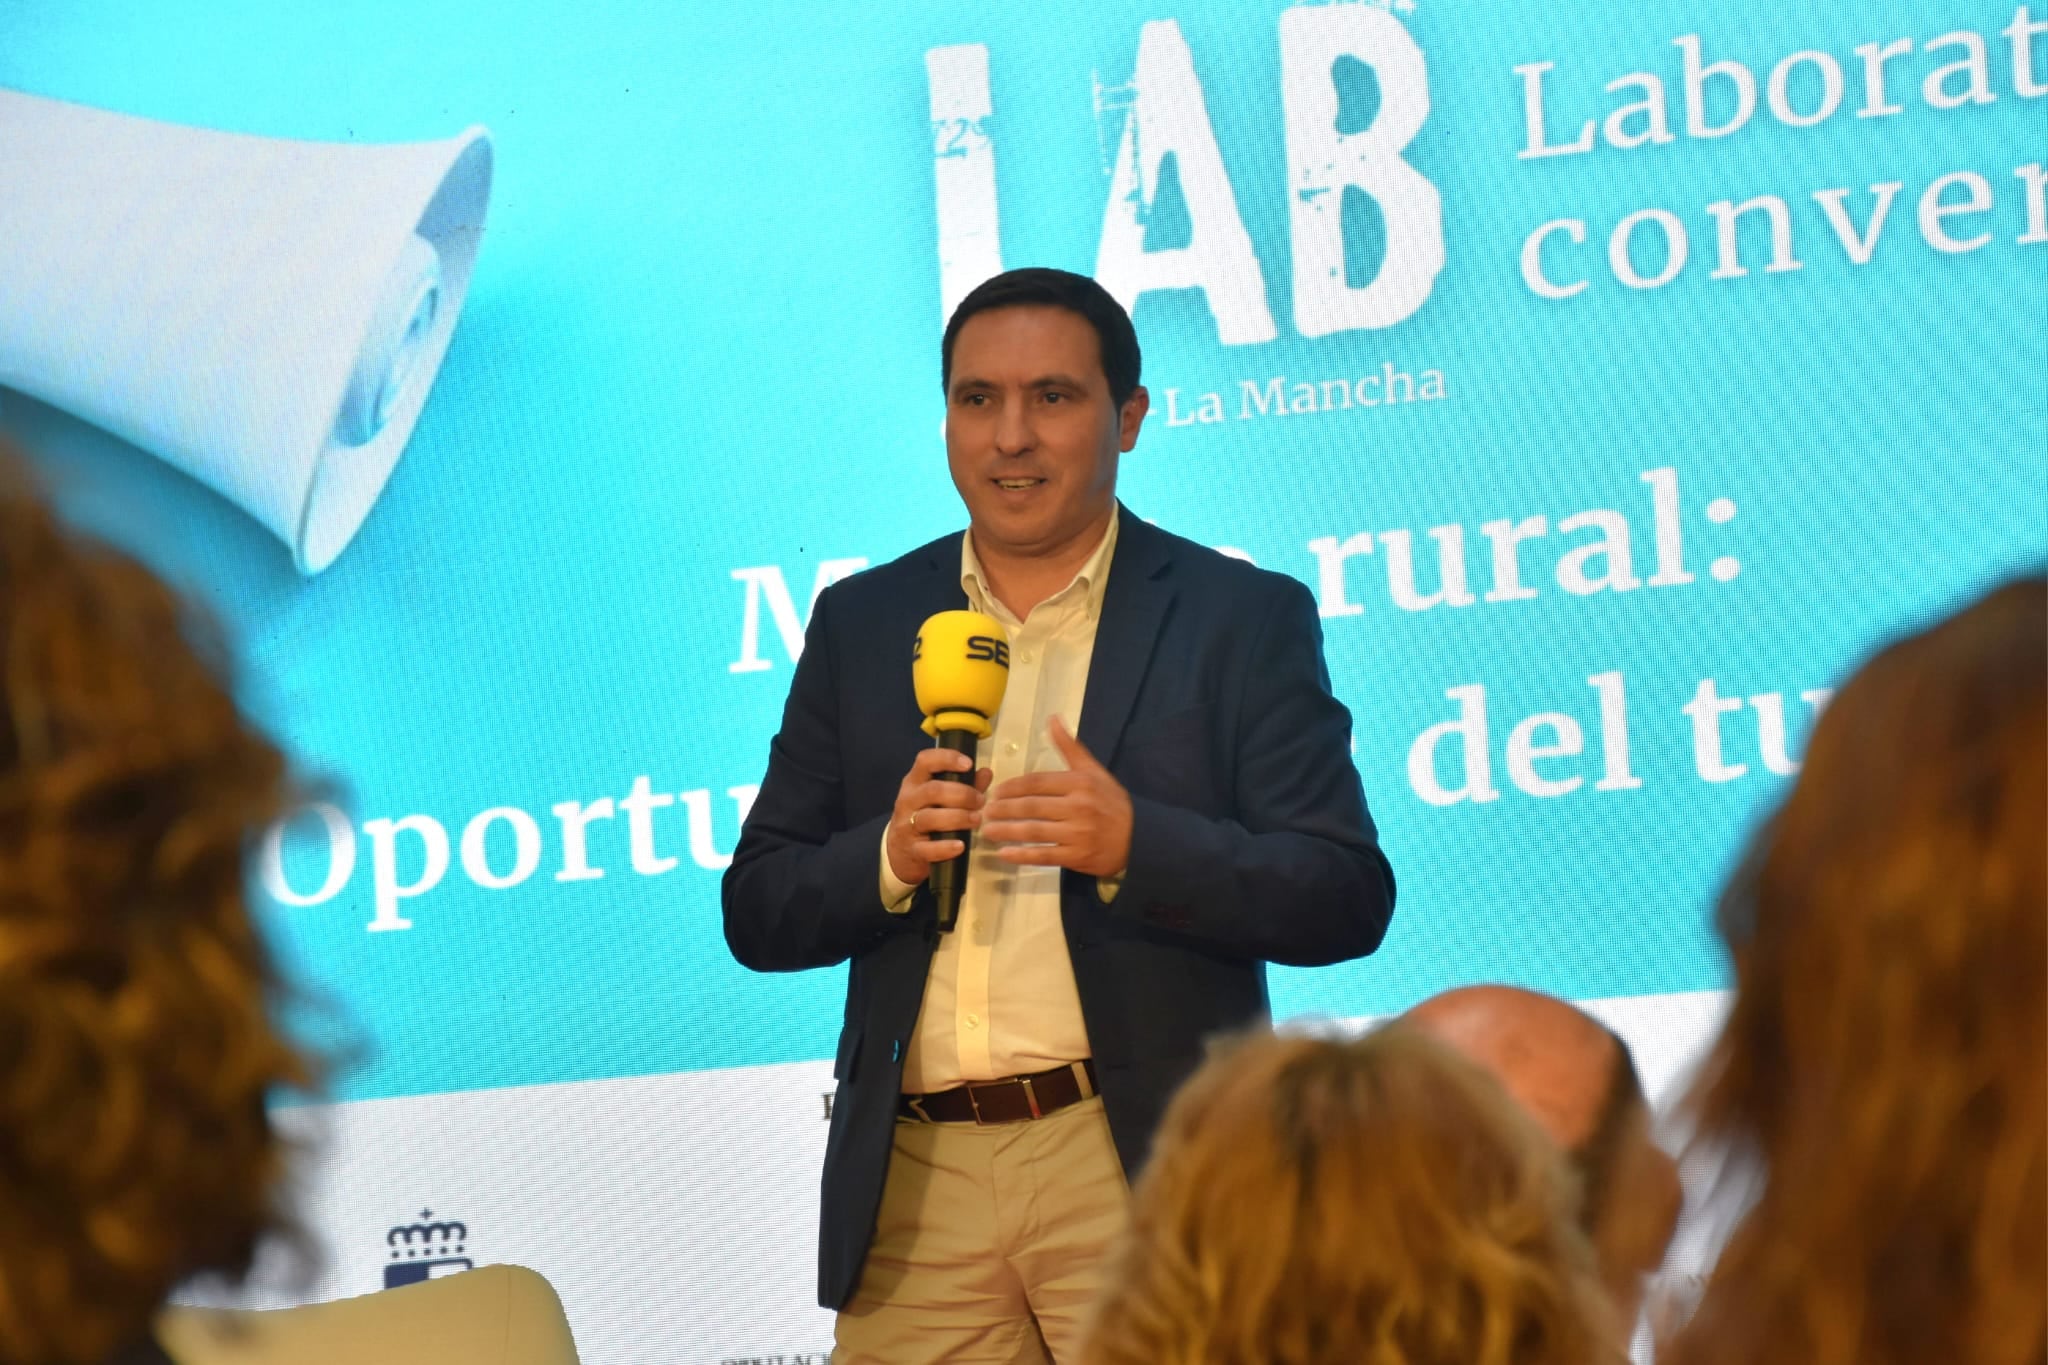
(1595, 1158)
(1038, 286)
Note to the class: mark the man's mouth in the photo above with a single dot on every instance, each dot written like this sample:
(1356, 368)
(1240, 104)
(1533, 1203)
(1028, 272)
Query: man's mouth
(1017, 485)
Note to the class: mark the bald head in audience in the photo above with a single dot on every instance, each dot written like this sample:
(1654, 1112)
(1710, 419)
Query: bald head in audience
(1575, 1077)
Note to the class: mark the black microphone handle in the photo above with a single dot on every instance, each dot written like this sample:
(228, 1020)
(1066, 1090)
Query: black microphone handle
(949, 878)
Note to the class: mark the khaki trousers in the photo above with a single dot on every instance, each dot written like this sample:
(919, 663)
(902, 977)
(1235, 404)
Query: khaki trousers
(989, 1244)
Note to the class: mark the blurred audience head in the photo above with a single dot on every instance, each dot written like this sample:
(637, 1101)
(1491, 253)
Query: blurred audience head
(1884, 1066)
(136, 1043)
(1368, 1201)
(1577, 1079)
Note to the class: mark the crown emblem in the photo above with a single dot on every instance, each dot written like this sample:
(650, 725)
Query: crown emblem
(426, 1250)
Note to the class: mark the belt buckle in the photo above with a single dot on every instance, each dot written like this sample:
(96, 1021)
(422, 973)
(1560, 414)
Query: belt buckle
(1030, 1096)
(915, 1104)
(975, 1105)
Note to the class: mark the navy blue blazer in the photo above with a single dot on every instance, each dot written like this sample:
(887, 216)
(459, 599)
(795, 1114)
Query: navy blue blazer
(1250, 843)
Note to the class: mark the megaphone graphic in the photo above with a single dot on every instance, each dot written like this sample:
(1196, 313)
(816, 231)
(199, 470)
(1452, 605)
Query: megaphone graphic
(266, 315)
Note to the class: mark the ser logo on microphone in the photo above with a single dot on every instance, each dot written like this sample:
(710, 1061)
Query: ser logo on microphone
(981, 648)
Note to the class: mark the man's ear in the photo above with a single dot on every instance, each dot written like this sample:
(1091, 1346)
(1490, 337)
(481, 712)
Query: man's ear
(1132, 417)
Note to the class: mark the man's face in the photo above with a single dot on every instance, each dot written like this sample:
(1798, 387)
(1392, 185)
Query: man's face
(1032, 436)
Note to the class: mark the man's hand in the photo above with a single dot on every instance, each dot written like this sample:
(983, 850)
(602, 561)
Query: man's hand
(1079, 819)
(929, 810)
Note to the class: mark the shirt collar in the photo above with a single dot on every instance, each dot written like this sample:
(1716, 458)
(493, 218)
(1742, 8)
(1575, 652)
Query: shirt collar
(1089, 582)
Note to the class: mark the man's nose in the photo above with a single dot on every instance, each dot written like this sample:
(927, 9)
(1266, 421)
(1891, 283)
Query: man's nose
(1014, 435)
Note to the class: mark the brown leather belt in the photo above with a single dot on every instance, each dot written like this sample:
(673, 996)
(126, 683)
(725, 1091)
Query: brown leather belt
(1010, 1101)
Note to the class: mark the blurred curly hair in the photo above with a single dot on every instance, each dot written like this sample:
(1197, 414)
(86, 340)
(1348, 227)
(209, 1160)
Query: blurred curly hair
(1367, 1201)
(136, 1039)
(1885, 1061)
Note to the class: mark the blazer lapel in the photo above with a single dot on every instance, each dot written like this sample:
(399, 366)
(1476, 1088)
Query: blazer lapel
(1134, 607)
(937, 589)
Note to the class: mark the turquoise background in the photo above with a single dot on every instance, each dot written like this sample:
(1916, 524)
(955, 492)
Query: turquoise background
(703, 335)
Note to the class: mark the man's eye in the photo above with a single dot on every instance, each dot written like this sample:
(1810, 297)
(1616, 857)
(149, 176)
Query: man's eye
(1055, 396)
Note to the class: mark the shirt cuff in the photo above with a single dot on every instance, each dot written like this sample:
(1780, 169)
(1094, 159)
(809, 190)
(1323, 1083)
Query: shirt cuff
(1107, 887)
(896, 892)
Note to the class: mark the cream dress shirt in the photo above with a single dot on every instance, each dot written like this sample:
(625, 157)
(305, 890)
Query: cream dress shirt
(1000, 1000)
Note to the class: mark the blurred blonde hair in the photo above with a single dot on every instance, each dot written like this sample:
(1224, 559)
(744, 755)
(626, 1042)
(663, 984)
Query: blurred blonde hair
(136, 1041)
(1885, 1063)
(1368, 1201)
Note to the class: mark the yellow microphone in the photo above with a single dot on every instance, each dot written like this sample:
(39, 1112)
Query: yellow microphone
(958, 668)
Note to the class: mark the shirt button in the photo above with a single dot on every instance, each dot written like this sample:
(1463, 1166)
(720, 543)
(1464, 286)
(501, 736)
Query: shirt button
(1030, 657)
(1011, 747)
(974, 1021)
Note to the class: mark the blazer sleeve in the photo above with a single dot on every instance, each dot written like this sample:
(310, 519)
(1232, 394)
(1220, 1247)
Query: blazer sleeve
(803, 888)
(1297, 877)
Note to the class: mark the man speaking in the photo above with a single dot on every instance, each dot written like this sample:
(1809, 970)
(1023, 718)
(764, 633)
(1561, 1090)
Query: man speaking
(1164, 802)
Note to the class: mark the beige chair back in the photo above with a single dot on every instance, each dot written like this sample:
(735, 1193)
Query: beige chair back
(496, 1315)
